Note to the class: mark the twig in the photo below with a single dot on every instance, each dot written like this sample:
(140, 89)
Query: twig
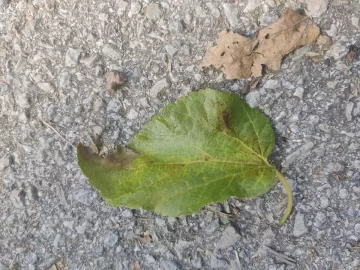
(281, 257)
(53, 129)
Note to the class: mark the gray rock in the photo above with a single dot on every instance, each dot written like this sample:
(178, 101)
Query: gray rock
(176, 26)
(335, 167)
(357, 228)
(348, 110)
(217, 263)
(228, 238)
(58, 240)
(3, 4)
(111, 51)
(170, 265)
(252, 5)
(127, 213)
(158, 87)
(298, 155)
(355, 22)
(337, 51)
(320, 218)
(91, 61)
(299, 226)
(135, 8)
(69, 224)
(324, 202)
(153, 11)
(17, 198)
(23, 100)
(171, 50)
(180, 247)
(72, 57)
(317, 7)
(122, 7)
(231, 13)
(149, 259)
(4, 162)
(83, 196)
(299, 92)
(271, 84)
(111, 239)
(343, 193)
(47, 87)
(65, 80)
(82, 227)
(253, 98)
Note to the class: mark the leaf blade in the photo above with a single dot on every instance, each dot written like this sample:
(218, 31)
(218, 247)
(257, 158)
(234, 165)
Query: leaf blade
(203, 148)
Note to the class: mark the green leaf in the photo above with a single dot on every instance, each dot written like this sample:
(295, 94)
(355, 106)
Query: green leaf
(204, 148)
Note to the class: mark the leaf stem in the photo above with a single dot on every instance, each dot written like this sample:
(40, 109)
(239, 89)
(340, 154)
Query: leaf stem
(289, 196)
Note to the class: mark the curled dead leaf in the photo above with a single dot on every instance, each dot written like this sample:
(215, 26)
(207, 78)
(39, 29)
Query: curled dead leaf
(114, 80)
(146, 239)
(136, 266)
(240, 57)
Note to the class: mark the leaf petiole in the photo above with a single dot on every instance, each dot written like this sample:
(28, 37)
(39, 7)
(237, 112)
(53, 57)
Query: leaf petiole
(289, 196)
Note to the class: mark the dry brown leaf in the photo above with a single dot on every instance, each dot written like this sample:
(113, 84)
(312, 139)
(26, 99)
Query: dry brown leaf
(324, 42)
(136, 266)
(114, 79)
(145, 239)
(240, 57)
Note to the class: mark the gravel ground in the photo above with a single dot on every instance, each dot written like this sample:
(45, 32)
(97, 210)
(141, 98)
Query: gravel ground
(53, 59)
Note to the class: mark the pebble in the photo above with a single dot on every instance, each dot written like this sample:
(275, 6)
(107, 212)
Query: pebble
(170, 265)
(231, 14)
(72, 57)
(132, 114)
(320, 218)
(348, 110)
(4, 162)
(299, 226)
(343, 193)
(111, 239)
(149, 259)
(176, 27)
(355, 22)
(153, 11)
(23, 100)
(122, 7)
(83, 196)
(91, 61)
(357, 228)
(324, 202)
(80, 229)
(317, 7)
(158, 87)
(69, 224)
(271, 84)
(17, 198)
(253, 98)
(135, 8)
(200, 12)
(127, 213)
(228, 238)
(111, 51)
(299, 92)
(299, 154)
(217, 263)
(47, 87)
(335, 167)
(171, 50)
(337, 51)
(252, 5)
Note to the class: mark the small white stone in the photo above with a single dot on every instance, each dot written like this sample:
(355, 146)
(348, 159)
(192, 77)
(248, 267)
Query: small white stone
(324, 202)
(357, 228)
(72, 57)
(23, 100)
(158, 87)
(135, 8)
(132, 114)
(103, 17)
(122, 7)
(252, 5)
(317, 7)
(299, 92)
(299, 226)
(319, 219)
(47, 87)
(271, 84)
(127, 213)
(231, 14)
(111, 239)
(343, 193)
(348, 111)
(111, 51)
(228, 238)
(253, 98)
(355, 22)
(69, 224)
(153, 11)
